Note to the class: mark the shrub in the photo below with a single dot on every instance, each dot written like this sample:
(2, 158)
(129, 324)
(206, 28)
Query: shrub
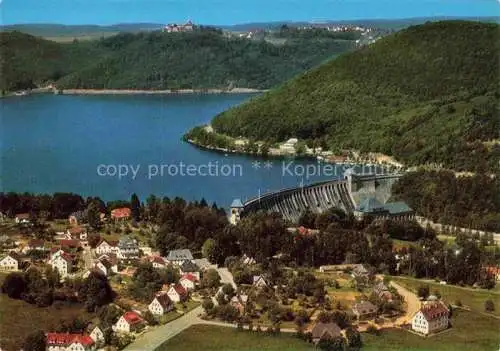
(489, 306)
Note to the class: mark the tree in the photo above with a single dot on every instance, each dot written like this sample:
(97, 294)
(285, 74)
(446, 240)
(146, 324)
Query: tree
(354, 340)
(35, 341)
(208, 305)
(208, 249)
(14, 285)
(150, 318)
(96, 291)
(332, 344)
(211, 279)
(135, 207)
(423, 291)
(94, 215)
(489, 306)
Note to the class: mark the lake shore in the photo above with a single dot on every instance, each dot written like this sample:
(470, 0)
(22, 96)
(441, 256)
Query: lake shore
(156, 92)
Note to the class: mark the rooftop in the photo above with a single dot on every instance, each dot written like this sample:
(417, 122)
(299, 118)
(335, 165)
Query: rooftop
(178, 255)
(236, 203)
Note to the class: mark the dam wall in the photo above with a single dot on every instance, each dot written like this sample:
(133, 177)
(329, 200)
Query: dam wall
(344, 193)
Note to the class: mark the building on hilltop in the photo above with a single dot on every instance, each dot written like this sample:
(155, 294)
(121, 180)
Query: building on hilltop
(178, 28)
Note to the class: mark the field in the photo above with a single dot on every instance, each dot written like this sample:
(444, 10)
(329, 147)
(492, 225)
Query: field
(470, 331)
(473, 298)
(214, 338)
(18, 319)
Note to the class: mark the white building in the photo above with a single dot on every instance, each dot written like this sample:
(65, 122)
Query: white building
(188, 281)
(97, 335)
(161, 304)
(177, 293)
(105, 247)
(63, 263)
(130, 322)
(431, 318)
(10, 262)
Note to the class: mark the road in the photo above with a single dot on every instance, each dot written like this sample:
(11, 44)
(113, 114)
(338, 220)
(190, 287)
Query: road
(152, 339)
(412, 303)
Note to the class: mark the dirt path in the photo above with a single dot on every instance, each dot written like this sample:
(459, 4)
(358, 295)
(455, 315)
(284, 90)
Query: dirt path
(411, 301)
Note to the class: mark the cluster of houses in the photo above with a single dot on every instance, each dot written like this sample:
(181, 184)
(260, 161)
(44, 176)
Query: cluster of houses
(75, 342)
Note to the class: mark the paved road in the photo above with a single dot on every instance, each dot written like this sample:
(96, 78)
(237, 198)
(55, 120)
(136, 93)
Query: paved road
(150, 340)
(412, 303)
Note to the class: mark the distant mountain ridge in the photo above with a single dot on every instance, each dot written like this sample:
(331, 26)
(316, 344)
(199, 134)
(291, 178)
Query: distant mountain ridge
(55, 29)
(426, 94)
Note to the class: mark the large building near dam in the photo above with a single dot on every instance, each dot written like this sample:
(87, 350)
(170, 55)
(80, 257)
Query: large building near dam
(360, 194)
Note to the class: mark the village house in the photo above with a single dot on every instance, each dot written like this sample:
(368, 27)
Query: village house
(6, 242)
(239, 302)
(63, 263)
(157, 262)
(121, 214)
(493, 271)
(10, 262)
(34, 244)
(23, 218)
(322, 331)
(177, 257)
(106, 266)
(128, 248)
(70, 245)
(55, 251)
(130, 322)
(106, 247)
(189, 267)
(97, 335)
(188, 281)
(69, 342)
(364, 310)
(161, 304)
(177, 293)
(431, 318)
(203, 264)
(382, 291)
(77, 218)
(78, 233)
(259, 281)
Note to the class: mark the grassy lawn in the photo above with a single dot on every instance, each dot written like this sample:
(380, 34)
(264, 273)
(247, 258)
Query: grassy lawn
(473, 298)
(18, 319)
(470, 331)
(214, 338)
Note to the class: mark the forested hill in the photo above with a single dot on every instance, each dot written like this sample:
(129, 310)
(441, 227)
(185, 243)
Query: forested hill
(205, 58)
(428, 93)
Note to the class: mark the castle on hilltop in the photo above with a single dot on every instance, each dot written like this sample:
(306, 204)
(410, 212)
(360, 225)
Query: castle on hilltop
(177, 28)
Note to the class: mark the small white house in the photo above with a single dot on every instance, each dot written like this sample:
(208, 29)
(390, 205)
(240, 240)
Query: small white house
(177, 293)
(10, 262)
(161, 304)
(259, 281)
(188, 281)
(63, 263)
(97, 335)
(105, 247)
(431, 318)
(130, 322)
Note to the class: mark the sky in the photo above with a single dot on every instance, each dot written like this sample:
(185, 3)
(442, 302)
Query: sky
(226, 12)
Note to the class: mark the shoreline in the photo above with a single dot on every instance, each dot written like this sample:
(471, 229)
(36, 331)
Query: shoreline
(155, 92)
(52, 90)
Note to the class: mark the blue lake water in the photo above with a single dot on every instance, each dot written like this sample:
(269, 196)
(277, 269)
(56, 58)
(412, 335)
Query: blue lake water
(55, 143)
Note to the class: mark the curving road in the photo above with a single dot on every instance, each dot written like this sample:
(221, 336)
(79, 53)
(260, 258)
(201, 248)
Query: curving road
(412, 303)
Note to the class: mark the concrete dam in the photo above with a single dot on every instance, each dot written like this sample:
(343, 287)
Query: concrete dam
(345, 193)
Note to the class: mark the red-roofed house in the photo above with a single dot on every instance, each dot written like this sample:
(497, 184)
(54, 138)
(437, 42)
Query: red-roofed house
(35, 244)
(177, 293)
(122, 213)
(69, 244)
(188, 281)
(431, 318)
(493, 271)
(130, 322)
(22, 218)
(69, 342)
(157, 261)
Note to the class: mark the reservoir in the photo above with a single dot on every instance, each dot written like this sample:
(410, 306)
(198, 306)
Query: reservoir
(113, 146)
